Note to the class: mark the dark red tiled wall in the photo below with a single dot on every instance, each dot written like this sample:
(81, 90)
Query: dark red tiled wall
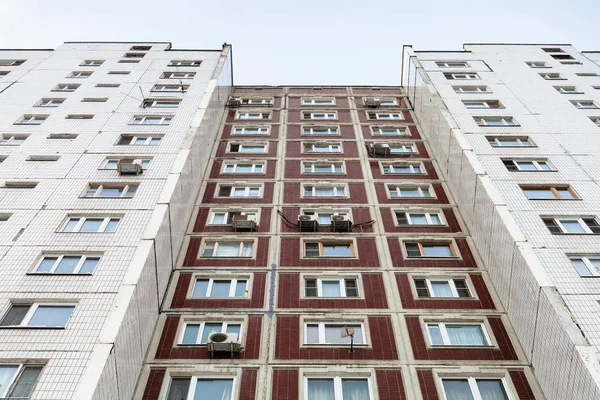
(264, 225)
(271, 149)
(292, 194)
(274, 115)
(398, 259)
(372, 288)
(349, 149)
(274, 134)
(211, 191)
(359, 215)
(380, 189)
(345, 132)
(192, 260)
(154, 384)
(521, 385)
(389, 223)
(296, 102)
(285, 384)
(180, 299)
(287, 342)
(378, 92)
(291, 251)
(389, 383)
(248, 384)
(293, 170)
(215, 171)
(429, 172)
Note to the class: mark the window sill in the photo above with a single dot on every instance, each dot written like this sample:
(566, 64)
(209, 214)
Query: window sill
(32, 327)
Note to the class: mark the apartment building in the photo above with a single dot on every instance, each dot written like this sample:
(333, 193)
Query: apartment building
(102, 149)
(326, 259)
(515, 132)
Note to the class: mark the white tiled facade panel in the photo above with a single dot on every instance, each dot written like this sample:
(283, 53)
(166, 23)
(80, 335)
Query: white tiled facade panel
(555, 311)
(116, 306)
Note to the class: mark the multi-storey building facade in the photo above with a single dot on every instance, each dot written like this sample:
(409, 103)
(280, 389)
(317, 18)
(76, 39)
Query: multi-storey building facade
(324, 214)
(102, 147)
(515, 131)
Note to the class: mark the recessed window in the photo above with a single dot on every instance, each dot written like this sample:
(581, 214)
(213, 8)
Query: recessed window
(495, 121)
(474, 388)
(329, 249)
(151, 120)
(510, 141)
(178, 75)
(571, 62)
(253, 115)
(250, 130)
(460, 76)
(134, 140)
(382, 101)
(320, 130)
(4, 217)
(318, 101)
(397, 148)
(441, 287)
(140, 48)
(595, 120)
(67, 264)
(389, 131)
(65, 87)
(562, 56)
(452, 64)
(553, 50)
(323, 168)
(238, 191)
(385, 116)
(111, 190)
(32, 119)
(227, 249)
(20, 184)
(319, 115)
(584, 104)
(330, 287)
(409, 191)
(38, 315)
(247, 148)
(185, 63)
(94, 100)
(12, 140)
(11, 63)
(471, 89)
(324, 191)
(322, 147)
(79, 116)
(402, 168)
(257, 101)
(92, 63)
(338, 388)
(457, 334)
(331, 333)
(4, 73)
(17, 381)
(80, 74)
(199, 333)
(217, 287)
(107, 85)
(588, 74)
(195, 387)
(423, 218)
(324, 216)
(588, 266)
(477, 104)
(552, 76)
(43, 158)
(572, 225)
(427, 249)
(91, 224)
(549, 192)
(527, 165)
(537, 64)
(243, 168)
(160, 103)
(170, 88)
(568, 89)
(62, 136)
(119, 72)
(134, 55)
(47, 102)
(228, 217)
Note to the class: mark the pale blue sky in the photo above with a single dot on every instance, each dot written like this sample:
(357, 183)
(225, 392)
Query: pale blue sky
(308, 41)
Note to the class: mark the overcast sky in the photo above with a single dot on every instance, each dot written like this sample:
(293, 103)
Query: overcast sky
(308, 41)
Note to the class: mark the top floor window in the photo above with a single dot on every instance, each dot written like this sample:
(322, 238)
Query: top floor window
(318, 101)
(253, 115)
(178, 75)
(460, 76)
(185, 63)
(257, 101)
(385, 116)
(452, 64)
(92, 63)
(11, 63)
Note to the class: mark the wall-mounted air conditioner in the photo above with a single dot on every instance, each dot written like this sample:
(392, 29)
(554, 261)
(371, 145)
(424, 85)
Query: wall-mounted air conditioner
(224, 343)
(234, 102)
(372, 103)
(129, 168)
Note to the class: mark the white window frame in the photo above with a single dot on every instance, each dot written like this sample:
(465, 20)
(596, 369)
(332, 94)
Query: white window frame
(411, 166)
(505, 121)
(32, 119)
(451, 284)
(50, 102)
(134, 138)
(83, 258)
(250, 130)
(476, 89)
(141, 120)
(257, 101)
(232, 287)
(315, 115)
(6, 139)
(161, 103)
(568, 90)
(217, 242)
(552, 76)
(101, 229)
(381, 116)
(459, 76)
(332, 164)
(536, 164)
(321, 327)
(185, 63)
(472, 380)
(7, 392)
(253, 115)
(498, 141)
(398, 131)
(177, 75)
(337, 384)
(428, 214)
(420, 188)
(99, 187)
(317, 130)
(139, 161)
(452, 64)
(91, 63)
(178, 88)
(66, 87)
(318, 101)
(247, 190)
(194, 382)
(235, 165)
(339, 190)
(202, 324)
(593, 271)
(80, 74)
(341, 281)
(580, 221)
(537, 64)
(248, 144)
(324, 211)
(582, 104)
(331, 146)
(485, 104)
(446, 339)
(595, 120)
(252, 215)
(33, 308)
(327, 242)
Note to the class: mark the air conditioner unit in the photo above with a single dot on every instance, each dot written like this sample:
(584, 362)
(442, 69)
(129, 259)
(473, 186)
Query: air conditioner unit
(224, 343)
(372, 103)
(380, 149)
(308, 223)
(340, 218)
(129, 168)
(341, 223)
(242, 223)
(307, 217)
(234, 102)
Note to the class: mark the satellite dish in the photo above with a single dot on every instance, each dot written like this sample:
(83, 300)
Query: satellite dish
(347, 332)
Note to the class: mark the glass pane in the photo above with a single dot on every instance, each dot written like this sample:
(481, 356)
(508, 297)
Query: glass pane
(355, 389)
(457, 389)
(441, 289)
(435, 219)
(220, 289)
(544, 166)
(111, 164)
(200, 288)
(46, 264)
(91, 225)
(572, 226)
(89, 265)
(331, 289)
(409, 192)
(51, 316)
(110, 192)
(324, 218)
(240, 288)
(70, 226)
(312, 333)
(112, 225)
(435, 334)
(336, 250)
(247, 250)
(526, 166)
(466, 335)
(437, 250)
(320, 389)
(154, 141)
(178, 389)
(418, 219)
(213, 389)
(219, 218)
(234, 328)
(15, 315)
(539, 194)
(491, 389)
(67, 265)
(324, 191)
(565, 193)
(254, 192)
(26, 383)
(323, 169)
(140, 141)
(244, 168)
(7, 373)
(190, 334)
(209, 329)
(228, 250)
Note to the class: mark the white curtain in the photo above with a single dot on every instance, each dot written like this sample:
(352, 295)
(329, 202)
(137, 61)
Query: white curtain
(441, 289)
(228, 250)
(355, 389)
(491, 389)
(321, 389)
(331, 288)
(470, 335)
(457, 389)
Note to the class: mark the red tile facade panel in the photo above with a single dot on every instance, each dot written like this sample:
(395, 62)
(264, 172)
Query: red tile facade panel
(248, 384)
(287, 342)
(271, 149)
(389, 384)
(352, 170)
(359, 215)
(211, 192)
(274, 115)
(294, 148)
(264, 225)
(192, 258)
(181, 299)
(294, 132)
(296, 102)
(291, 250)
(273, 135)
(169, 350)
(429, 174)
(372, 289)
(215, 171)
(521, 385)
(285, 384)
(427, 384)
(154, 384)
(482, 302)
(398, 260)
(382, 195)
(292, 194)
(389, 222)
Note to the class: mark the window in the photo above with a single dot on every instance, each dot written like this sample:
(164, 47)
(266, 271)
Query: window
(20, 184)
(562, 56)
(94, 100)
(79, 116)
(441, 287)
(396, 148)
(537, 64)
(62, 136)
(119, 72)
(331, 333)
(134, 55)
(227, 249)
(568, 89)
(585, 104)
(178, 75)
(160, 103)
(107, 85)
(471, 89)
(199, 333)
(247, 148)
(11, 63)
(65, 87)
(319, 115)
(251, 130)
(211, 287)
(140, 48)
(330, 287)
(37, 315)
(474, 388)
(243, 168)
(571, 62)
(402, 168)
(510, 141)
(329, 249)
(170, 88)
(195, 387)
(527, 165)
(552, 76)
(252, 101)
(426, 249)
(133, 140)
(587, 74)
(323, 168)
(460, 75)
(80, 74)
(419, 218)
(12, 140)
(4, 73)
(389, 131)
(482, 104)
(495, 121)
(31, 119)
(238, 191)
(549, 192)
(318, 101)
(49, 102)
(595, 120)
(91, 224)
(320, 130)
(322, 147)
(338, 388)
(572, 225)
(185, 63)
(324, 191)
(4, 217)
(452, 64)
(111, 190)
(92, 63)
(37, 157)
(383, 101)
(587, 266)
(553, 50)
(253, 115)
(151, 120)
(457, 334)
(226, 217)
(324, 217)
(385, 116)
(409, 191)
(67, 264)
(18, 380)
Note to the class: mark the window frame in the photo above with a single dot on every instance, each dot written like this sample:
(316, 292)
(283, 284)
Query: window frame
(535, 162)
(580, 220)
(21, 367)
(312, 115)
(519, 139)
(487, 104)
(337, 382)
(552, 76)
(32, 119)
(321, 326)
(59, 257)
(472, 381)
(66, 87)
(330, 145)
(258, 101)
(106, 220)
(164, 120)
(224, 324)
(581, 104)
(378, 116)
(33, 307)
(419, 187)
(252, 214)
(322, 243)
(125, 194)
(311, 164)
(7, 138)
(337, 187)
(184, 63)
(534, 64)
(194, 381)
(143, 162)
(215, 243)
(177, 75)
(430, 279)
(236, 164)
(507, 121)
(234, 279)
(411, 165)
(313, 101)
(459, 89)
(182, 88)
(553, 189)
(428, 242)
(91, 63)
(134, 138)
(247, 144)
(442, 326)
(377, 131)
(332, 130)
(452, 64)
(568, 90)
(456, 76)
(80, 74)
(593, 271)
(241, 130)
(234, 186)
(428, 216)
(327, 211)
(329, 278)
(154, 103)
(247, 115)
(50, 102)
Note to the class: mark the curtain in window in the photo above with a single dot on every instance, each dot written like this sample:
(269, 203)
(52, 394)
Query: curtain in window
(457, 389)
(228, 250)
(465, 335)
(320, 389)
(7, 372)
(331, 289)
(355, 389)
(441, 289)
(491, 389)
(213, 389)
